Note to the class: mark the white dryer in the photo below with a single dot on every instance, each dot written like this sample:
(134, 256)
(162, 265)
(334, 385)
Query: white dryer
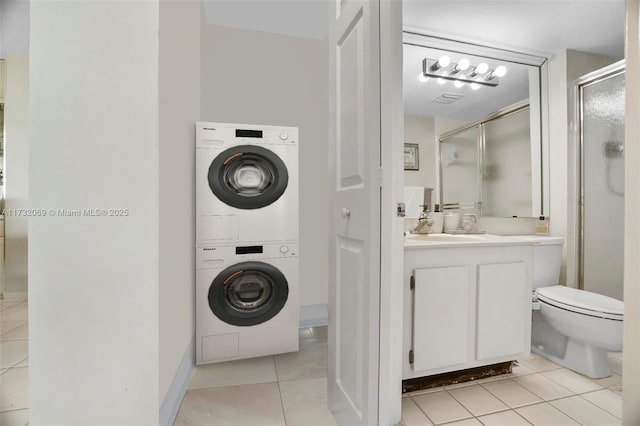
(246, 301)
(246, 183)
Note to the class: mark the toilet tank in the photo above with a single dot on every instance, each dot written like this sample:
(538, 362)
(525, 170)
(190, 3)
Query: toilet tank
(547, 260)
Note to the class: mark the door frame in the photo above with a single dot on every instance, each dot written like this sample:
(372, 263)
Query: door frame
(392, 225)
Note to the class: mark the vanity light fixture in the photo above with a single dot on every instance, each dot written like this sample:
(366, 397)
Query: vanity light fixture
(443, 62)
(480, 75)
(498, 72)
(481, 69)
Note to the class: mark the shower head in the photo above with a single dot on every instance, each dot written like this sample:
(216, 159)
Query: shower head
(613, 149)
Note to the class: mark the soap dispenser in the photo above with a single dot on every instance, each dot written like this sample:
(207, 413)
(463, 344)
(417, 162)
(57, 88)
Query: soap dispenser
(438, 220)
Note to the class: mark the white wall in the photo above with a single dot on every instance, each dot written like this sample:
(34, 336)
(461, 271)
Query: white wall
(93, 296)
(631, 353)
(14, 27)
(263, 78)
(16, 180)
(564, 68)
(444, 125)
(179, 74)
(420, 130)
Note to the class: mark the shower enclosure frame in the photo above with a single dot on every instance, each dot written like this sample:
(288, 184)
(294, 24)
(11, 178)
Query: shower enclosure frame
(577, 115)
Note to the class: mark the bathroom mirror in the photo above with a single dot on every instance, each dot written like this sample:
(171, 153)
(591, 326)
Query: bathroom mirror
(481, 143)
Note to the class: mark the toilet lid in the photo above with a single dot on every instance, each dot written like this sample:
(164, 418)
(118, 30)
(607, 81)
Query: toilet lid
(581, 301)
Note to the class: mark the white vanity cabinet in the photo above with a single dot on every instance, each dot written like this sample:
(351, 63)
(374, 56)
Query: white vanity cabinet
(466, 305)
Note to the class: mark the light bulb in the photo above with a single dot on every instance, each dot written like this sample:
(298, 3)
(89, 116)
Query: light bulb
(475, 86)
(500, 71)
(422, 78)
(441, 81)
(458, 84)
(463, 64)
(444, 61)
(482, 68)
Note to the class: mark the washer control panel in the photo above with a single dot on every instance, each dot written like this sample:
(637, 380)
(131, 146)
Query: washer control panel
(219, 135)
(218, 256)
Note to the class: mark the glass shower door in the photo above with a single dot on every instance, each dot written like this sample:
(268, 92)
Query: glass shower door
(602, 102)
(461, 179)
(506, 181)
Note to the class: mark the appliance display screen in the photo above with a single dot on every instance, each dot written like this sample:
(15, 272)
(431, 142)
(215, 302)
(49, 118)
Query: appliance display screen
(240, 133)
(249, 250)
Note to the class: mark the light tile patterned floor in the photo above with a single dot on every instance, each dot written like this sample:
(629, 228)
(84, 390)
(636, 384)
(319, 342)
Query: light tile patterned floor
(538, 393)
(288, 389)
(14, 370)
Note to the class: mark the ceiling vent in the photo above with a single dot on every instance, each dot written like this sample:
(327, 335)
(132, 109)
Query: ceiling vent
(447, 98)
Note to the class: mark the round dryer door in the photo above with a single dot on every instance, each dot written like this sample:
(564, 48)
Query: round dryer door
(248, 177)
(248, 293)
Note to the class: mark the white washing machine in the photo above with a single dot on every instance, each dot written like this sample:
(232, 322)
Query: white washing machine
(246, 183)
(246, 301)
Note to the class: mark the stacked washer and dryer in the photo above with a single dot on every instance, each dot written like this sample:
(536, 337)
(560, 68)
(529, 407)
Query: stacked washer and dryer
(246, 241)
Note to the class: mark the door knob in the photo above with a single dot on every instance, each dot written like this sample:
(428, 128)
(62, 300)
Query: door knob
(346, 213)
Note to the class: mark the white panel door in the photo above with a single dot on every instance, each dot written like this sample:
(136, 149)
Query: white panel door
(501, 309)
(354, 258)
(442, 306)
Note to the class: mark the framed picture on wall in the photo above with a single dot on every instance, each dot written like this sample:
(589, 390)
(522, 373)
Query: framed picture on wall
(411, 161)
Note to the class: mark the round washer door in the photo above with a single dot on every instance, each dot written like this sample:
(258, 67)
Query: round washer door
(248, 293)
(248, 177)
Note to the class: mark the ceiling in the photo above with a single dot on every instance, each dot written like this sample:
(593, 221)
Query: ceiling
(541, 27)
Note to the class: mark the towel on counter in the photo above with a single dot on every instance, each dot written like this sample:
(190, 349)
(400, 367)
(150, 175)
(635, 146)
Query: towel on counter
(413, 199)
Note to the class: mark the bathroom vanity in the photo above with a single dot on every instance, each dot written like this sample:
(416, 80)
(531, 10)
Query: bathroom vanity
(467, 302)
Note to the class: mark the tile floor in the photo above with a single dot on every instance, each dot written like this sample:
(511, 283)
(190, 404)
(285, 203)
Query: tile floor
(14, 363)
(538, 392)
(288, 389)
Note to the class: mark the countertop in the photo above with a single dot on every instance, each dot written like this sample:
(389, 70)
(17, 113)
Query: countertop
(422, 241)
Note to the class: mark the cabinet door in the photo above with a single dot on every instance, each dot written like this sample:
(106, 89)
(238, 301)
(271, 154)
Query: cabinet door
(500, 310)
(441, 310)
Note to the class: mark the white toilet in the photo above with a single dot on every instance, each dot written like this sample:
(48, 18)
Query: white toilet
(571, 327)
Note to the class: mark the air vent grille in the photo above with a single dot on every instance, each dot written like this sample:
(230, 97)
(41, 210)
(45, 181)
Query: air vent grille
(447, 98)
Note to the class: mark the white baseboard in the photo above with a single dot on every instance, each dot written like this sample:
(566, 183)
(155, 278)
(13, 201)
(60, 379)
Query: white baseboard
(314, 316)
(175, 395)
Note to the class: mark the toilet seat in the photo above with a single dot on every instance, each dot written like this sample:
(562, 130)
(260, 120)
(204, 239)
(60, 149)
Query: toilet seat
(582, 302)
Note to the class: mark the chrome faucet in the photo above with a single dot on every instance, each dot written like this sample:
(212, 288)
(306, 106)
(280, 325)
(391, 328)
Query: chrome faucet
(424, 220)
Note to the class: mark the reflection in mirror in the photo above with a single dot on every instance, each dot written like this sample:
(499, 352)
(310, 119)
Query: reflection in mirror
(495, 157)
(485, 139)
